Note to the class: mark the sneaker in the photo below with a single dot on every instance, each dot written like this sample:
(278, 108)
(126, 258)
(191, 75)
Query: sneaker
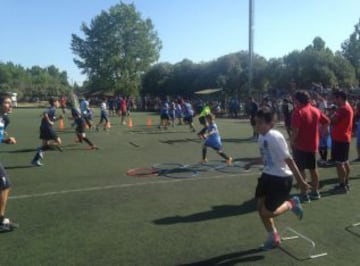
(94, 147)
(296, 207)
(204, 161)
(341, 189)
(272, 242)
(41, 155)
(229, 161)
(315, 195)
(305, 198)
(36, 163)
(7, 226)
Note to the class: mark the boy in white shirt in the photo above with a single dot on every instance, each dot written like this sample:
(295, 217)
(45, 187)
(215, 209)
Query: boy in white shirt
(274, 185)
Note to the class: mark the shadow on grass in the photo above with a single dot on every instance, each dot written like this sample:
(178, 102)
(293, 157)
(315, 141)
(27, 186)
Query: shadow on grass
(174, 141)
(351, 230)
(18, 167)
(20, 151)
(233, 258)
(290, 254)
(216, 212)
(238, 140)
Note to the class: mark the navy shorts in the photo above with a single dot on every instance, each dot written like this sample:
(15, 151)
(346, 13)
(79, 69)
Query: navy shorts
(275, 189)
(4, 179)
(340, 151)
(305, 160)
(48, 134)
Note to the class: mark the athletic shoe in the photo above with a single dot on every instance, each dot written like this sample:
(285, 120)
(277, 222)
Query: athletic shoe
(7, 226)
(341, 189)
(272, 242)
(41, 155)
(305, 198)
(315, 195)
(94, 147)
(36, 163)
(296, 207)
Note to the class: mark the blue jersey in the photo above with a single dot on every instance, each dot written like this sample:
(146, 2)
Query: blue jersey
(213, 140)
(164, 109)
(188, 110)
(51, 115)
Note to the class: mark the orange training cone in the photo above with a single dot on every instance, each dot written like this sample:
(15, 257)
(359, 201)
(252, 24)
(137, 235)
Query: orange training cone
(130, 123)
(148, 122)
(61, 125)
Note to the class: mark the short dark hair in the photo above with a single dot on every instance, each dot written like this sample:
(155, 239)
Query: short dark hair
(3, 96)
(302, 97)
(339, 94)
(266, 114)
(52, 100)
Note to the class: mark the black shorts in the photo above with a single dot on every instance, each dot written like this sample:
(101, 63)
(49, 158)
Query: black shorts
(305, 160)
(275, 189)
(252, 121)
(4, 179)
(48, 134)
(202, 120)
(340, 151)
(164, 117)
(188, 119)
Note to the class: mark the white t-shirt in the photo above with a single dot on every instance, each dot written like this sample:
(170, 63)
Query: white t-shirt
(274, 150)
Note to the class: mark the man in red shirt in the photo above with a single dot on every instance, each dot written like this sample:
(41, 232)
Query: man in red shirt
(342, 122)
(305, 123)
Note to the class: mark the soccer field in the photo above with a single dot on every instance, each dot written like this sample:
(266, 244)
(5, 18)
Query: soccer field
(81, 208)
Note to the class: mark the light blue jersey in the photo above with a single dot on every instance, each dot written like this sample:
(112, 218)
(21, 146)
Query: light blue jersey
(213, 140)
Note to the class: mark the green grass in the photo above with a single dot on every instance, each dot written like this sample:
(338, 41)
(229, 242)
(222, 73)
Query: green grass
(82, 209)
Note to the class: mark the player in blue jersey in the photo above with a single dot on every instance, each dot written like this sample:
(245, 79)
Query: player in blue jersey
(164, 115)
(103, 116)
(213, 140)
(47, 132)
(188, 112)
(5, 185)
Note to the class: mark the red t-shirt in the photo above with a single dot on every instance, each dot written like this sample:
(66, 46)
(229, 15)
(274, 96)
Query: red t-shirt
(307, 119)
(342, 129)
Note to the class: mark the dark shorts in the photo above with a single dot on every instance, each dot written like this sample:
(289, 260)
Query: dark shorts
(4, 179)
(276, 190)
(103, 117)
(305, 160)
(188, 119)
(252, 121)
(48, 134)
(164, 117)
(202, 120)
(340, 151)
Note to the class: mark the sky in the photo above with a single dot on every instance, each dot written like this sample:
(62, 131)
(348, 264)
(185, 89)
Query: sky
(38, 32)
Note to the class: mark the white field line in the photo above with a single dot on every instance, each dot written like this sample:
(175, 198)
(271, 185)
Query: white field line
(87, 189)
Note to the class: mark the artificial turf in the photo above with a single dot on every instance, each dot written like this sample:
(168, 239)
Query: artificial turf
(81, 208)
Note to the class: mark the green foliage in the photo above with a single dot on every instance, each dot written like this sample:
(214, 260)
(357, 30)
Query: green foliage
(351, 49)
(118, 47)
(33, 82)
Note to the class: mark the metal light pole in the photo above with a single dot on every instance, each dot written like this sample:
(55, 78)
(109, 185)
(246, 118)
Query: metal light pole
(251, 43)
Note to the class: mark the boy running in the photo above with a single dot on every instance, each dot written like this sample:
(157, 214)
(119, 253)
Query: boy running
(103, 116)
(213, 140)
(80, 130)
(5, 224)
(47, 132)
(274, 185)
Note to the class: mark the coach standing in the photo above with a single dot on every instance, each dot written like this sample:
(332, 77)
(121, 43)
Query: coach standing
(342, 122)
(305, 123)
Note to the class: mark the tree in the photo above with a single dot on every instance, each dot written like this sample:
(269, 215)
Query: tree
(351, 49)
(119, 46)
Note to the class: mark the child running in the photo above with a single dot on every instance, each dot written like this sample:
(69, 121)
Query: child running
(103, 116)
(47, 132)
(80, 130)
(274, 185)
(213, 140)
(5, 185)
